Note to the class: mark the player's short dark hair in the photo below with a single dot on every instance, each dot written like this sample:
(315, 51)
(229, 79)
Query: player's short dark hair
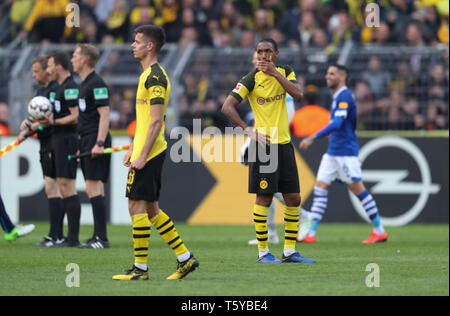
(42, 60)
(271, 41)
(343, 69)
(154, 34)
(61, 58)
(90, 52)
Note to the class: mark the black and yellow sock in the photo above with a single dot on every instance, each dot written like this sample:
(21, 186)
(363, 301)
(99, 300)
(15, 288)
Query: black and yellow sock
(262, 233)
(141, 237)
(166, 229)
(291, 217)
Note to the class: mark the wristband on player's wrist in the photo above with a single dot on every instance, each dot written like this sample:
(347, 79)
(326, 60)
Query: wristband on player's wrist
(100, 143)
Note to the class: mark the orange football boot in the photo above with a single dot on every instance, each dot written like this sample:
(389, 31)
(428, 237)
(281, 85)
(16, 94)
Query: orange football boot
(375, 238)
(309, 239)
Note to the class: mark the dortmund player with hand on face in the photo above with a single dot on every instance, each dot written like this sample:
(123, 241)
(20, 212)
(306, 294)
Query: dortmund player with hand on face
(145, 160)
(266, 88)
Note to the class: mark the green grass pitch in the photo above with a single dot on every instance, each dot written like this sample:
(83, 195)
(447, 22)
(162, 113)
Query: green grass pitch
(415, 261)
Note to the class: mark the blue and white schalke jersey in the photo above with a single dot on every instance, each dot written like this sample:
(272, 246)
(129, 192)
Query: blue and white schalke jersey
(343, 140)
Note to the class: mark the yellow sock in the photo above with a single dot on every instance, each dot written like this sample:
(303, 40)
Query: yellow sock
(166, 229)
(141, 237)
(291, 217)
(262, 233)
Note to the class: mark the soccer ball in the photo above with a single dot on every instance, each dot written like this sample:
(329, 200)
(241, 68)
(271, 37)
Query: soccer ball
(39, 106)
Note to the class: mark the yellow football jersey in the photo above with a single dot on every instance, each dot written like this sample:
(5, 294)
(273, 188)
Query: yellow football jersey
(267, 98)
(154, 88)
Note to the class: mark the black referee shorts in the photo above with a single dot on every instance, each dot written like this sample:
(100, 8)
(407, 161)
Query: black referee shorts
(65, 144)
(95, 168)
(47, 158)
(283, 179)
(145, 184)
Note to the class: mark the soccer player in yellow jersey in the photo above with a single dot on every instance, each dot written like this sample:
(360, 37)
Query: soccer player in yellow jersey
(266, 88)
(145, 160)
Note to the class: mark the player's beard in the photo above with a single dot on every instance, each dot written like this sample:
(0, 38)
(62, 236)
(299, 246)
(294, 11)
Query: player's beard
(333, 84)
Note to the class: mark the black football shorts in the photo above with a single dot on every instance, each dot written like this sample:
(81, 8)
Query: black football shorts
(145, 184)
(282, 176)
(65, 144)
(95, 168)
(47, 158)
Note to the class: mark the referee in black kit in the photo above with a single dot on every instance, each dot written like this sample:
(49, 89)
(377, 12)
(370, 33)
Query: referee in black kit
(93, 128)
(64, 121)
(47, 88)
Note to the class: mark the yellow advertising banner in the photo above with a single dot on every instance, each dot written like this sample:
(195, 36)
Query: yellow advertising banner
(229, 202)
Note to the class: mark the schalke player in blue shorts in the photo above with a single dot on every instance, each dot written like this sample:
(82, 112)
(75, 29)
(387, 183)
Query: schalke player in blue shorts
(341, 160)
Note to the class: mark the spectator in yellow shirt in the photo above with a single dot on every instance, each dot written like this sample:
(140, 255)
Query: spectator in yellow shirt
(47, 21)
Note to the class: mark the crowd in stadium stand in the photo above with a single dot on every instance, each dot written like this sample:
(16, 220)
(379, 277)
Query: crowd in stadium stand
(242, 23)
(235, 23)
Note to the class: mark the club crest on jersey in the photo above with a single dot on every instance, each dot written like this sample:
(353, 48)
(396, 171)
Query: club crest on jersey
(82, 104)
(263, 184)
(157, 91)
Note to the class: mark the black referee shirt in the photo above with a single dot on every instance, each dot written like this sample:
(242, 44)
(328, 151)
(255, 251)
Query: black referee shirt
(93, 94)
(49, 92)
(66, 97)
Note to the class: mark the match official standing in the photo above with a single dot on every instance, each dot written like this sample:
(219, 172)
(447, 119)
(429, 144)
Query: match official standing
(93, 128)
(47, 88)
(64, 121)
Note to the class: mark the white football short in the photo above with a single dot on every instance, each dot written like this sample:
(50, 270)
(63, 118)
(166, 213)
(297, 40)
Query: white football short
(345, 169)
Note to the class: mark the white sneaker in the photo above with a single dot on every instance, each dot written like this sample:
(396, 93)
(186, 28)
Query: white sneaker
(304, 224)
(25, 229)
(273, 239)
